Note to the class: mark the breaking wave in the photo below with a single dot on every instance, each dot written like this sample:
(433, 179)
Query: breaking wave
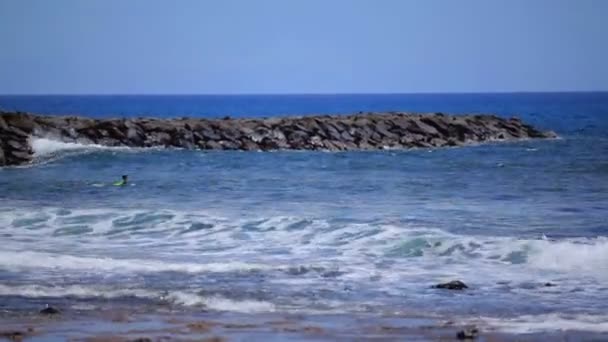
(44, 147)
(213, 243)
(186, 298)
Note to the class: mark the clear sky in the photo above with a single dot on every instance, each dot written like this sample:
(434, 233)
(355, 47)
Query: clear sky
(301, 46)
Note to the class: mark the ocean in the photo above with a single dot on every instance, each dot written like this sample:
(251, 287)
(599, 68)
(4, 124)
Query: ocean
(353, 234)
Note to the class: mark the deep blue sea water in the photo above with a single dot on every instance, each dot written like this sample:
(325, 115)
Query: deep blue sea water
(321, 232)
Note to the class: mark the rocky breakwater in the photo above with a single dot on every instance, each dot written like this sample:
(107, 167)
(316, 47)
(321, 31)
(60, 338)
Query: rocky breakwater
(364, 131)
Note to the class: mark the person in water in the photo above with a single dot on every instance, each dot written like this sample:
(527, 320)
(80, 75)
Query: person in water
(123, 182)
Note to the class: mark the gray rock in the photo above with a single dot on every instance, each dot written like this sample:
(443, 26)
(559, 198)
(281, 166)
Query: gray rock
(365, 145)
(135, 137)
(3, 124)
(268, 144)
(276, 134)
(24, 156)
(18, 146)
(334, 145)
(158, 139)
(17, 132)
(229, 145)
(452, 285)
(49, 310)
(382, 129)
(2, 158)
(21, 121)
(316, 141)
(332, 131)
(468, 333)
(230, 134)
(438, 142)
(345, 136)
(248, 145)
(213, 145)
(365, 131)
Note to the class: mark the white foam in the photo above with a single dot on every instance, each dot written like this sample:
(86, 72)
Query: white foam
(78, 291)
(417, 254)
(44, 147)
(587, 256)
(546, 323)
(246, 306)
(186, 298)
(27, 259)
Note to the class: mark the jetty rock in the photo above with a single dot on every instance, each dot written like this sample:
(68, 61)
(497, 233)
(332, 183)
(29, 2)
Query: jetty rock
(363, 131)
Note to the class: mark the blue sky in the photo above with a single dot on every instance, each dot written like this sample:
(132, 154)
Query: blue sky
(301, 46)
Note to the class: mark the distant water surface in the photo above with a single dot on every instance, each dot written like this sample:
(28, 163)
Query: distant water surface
(317, 232)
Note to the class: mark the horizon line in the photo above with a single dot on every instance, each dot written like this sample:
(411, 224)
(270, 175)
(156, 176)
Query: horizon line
(314, 94)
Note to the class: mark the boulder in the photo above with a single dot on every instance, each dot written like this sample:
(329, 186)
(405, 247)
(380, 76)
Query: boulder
(22, 156)
(158, 139)
(18, 146)
(229, 145)
(213, 145)
(333, 145)
(365, 145)
(268, 144)
(468, 333)
(332, 132)
(15, 131)
(297, 136)
(49, 310)
(452, 285)
(249, 145)
(346, 136)
(22, 121)
(316, 141)
(381, 128)
(3, 125)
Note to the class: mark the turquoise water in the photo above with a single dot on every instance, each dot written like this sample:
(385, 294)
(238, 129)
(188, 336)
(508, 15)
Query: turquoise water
(311, 231)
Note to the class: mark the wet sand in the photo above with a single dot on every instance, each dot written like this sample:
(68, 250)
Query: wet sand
(121, 325)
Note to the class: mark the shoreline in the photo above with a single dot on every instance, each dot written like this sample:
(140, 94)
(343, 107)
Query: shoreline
(120, 325)
(356, 132)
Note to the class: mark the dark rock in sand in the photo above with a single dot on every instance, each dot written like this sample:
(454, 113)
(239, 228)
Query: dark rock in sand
(16, 336)
(371, 131)
(452, 285)
(49, 310)
(467, 333)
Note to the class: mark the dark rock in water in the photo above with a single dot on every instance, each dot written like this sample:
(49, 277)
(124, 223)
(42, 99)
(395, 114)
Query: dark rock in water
(364, 131)
(12, 335)
(468, 333)
(49, 310)
(452, 285)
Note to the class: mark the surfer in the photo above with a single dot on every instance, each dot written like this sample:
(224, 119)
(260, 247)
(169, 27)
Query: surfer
(123, 182)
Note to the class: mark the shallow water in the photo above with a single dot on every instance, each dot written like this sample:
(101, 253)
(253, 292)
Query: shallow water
(323, 233)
